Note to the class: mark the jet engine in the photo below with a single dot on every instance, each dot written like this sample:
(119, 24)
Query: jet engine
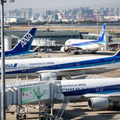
(49, 76)
(102, 104)
(64, 49)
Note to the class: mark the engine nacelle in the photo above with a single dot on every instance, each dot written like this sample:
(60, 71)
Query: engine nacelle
(99, 103)
(64, 49)
(50, 76)
(102, 103)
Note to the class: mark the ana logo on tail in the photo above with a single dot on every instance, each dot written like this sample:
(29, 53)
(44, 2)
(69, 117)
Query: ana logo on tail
(102, 31)
(26, 39)
(102, 34)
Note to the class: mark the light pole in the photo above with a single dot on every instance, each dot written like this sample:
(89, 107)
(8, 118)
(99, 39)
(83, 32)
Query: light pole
(28, 23)
(47, 23)
(3, 100)
(28, 19)
(72, 21)
(97, 23)
(3, 105)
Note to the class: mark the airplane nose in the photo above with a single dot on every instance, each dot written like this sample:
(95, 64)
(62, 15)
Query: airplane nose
(67, 42)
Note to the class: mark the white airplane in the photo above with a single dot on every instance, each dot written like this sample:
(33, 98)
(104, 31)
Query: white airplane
(101, 94)
(85, 44)
(56, 68)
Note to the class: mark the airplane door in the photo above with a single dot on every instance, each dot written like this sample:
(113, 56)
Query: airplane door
(101, 89)
(23, 68)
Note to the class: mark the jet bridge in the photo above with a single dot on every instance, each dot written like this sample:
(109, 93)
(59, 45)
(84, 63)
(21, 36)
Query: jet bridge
(27, 93)
(33, 92)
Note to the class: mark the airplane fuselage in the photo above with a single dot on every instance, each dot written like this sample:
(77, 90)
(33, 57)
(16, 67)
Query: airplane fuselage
(88, 86)
(61, 66)
(14, 53)
(85, 45)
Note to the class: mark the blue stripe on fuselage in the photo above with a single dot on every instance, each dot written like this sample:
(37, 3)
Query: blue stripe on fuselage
(97, 90)
(14, 53)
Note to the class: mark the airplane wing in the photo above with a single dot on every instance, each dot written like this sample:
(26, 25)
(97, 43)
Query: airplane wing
(112, 95)
(64, 71)
(73, 47)
(101, 45)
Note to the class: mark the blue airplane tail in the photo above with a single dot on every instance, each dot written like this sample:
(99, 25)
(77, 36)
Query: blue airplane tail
(118, 53)
(25, 43)
(102, 34)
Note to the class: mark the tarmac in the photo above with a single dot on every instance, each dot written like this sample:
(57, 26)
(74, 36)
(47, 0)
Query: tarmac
(74, 111)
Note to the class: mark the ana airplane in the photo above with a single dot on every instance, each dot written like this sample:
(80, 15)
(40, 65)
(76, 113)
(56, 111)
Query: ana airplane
(56, 68)
(85, 44)
(23, 47)
(101, 93)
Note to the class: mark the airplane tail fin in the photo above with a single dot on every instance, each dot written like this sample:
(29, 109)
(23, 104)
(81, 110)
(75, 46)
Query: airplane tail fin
(118, 53)
(25, 43)
(102, 34)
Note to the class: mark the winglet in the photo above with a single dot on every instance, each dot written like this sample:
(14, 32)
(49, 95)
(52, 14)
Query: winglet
(25, 43)
(102, 34)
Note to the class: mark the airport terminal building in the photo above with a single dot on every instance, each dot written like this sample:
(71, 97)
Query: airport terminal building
(55, 39)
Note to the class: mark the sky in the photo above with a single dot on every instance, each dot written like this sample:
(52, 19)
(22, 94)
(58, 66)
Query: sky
(61, 4)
